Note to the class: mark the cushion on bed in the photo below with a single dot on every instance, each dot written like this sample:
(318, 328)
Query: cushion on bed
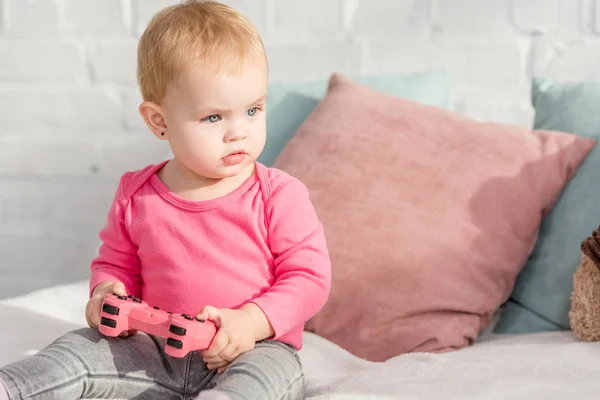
(429, 216)
(541, 298)
(289, 104)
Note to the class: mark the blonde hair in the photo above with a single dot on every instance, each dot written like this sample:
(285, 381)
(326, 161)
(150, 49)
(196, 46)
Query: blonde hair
(202, 30)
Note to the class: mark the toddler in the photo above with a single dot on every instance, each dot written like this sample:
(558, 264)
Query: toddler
(210, 232)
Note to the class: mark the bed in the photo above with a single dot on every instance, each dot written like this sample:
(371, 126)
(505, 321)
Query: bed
(549, 365)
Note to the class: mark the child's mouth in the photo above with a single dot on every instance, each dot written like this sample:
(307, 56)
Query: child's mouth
(234, 158)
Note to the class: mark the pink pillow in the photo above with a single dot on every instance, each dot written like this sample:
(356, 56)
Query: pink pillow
(429, 215)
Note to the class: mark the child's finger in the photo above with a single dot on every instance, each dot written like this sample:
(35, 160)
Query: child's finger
(210, 313)
(217, 365)
(230, 352)
(219, 342)
(213, 360)
(118, 288)
(222, 369)
(93, 312)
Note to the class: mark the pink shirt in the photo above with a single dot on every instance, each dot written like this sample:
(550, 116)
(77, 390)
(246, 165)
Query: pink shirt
(261, 243)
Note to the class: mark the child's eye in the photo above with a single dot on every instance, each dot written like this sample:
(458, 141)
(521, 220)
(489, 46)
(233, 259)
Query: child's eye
(212, 118)
(252, 111)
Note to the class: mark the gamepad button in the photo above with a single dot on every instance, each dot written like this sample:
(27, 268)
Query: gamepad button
(122, 297)
(199, 319)
(137, 300)
(177, 330)
(156, 307)
(107, 308)
(108, 322)
(187, 317)
(174, 343)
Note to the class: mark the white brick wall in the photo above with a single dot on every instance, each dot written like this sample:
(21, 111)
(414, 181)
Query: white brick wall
(68, 98)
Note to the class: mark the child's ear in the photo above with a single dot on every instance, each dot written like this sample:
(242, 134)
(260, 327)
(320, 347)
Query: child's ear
(153, 117)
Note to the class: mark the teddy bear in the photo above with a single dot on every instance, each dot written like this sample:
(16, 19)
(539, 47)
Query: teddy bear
(585, 298)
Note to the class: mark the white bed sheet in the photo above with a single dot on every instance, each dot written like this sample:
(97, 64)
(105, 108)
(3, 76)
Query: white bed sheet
(547, 366)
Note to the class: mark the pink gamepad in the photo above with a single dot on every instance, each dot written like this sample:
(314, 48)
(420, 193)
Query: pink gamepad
(182, 332)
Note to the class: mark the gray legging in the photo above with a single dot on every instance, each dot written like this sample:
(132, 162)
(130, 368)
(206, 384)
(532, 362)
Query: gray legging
(85, 364)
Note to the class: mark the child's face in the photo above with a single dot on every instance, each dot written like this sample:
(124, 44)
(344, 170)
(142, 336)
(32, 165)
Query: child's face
(216, 121)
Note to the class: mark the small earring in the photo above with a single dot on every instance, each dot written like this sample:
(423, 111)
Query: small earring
(162, 134)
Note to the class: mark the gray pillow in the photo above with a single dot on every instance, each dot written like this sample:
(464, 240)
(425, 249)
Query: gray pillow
(541, 298)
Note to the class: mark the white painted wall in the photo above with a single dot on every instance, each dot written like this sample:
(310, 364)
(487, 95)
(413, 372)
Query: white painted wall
(68, 99)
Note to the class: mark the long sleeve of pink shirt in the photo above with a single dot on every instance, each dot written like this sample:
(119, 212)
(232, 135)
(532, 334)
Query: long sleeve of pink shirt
(262, 243)
(301, 276)
(117, 256)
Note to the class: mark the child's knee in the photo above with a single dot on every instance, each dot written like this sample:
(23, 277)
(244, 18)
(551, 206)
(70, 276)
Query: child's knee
(80, 337)
(270, 361)
(82, 343)
(276, 360)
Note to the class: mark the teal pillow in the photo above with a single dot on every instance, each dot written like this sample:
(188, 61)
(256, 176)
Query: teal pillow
(289, 104)
(541, 298)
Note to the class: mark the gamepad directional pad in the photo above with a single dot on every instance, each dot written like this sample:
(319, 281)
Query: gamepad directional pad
(182, 332)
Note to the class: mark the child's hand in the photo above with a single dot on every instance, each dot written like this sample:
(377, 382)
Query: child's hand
(235, 336)
(94, 304)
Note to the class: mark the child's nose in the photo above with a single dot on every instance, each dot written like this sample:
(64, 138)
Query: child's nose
(235, 134)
